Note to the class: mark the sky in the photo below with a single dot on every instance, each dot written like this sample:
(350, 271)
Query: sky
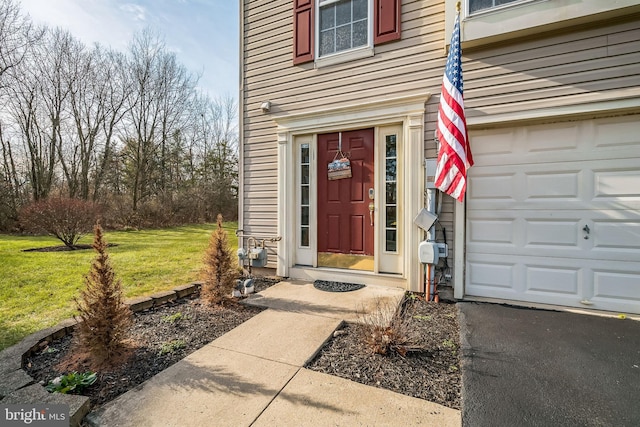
(202, 33)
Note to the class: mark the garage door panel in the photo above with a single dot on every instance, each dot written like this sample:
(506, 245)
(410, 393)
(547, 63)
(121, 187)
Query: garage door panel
(487, 145)
(551, 233)
(519, 232)
(620, 132)
(552, 185)
(553, 214)
(492, 274)
(493, 231)
(611, 184)
(616, 184)
(613, 235)
(552, 280)
(614, 286)
(492, 186)
(533, 279)
(621, 235)
(548, 138)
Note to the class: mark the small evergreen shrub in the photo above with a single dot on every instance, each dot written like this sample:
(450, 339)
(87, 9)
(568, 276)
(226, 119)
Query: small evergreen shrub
(105, 319)
(220, 271)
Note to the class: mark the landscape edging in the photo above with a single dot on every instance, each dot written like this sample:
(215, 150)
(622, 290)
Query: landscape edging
(13, 359)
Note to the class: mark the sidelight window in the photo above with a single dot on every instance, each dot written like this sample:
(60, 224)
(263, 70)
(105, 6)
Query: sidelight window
(304, 195)
(391, 194)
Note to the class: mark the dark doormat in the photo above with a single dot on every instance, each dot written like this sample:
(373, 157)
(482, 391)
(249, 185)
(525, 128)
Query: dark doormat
(325, 285)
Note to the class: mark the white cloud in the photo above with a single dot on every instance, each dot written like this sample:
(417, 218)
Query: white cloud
(139, 13)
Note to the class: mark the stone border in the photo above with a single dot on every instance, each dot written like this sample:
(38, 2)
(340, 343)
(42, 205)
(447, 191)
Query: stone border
(18, 387)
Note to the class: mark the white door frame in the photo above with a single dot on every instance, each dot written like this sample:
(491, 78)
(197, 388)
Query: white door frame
(409, 111)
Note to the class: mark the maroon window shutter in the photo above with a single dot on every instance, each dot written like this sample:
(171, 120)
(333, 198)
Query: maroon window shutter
(386, 19)
(302, 31)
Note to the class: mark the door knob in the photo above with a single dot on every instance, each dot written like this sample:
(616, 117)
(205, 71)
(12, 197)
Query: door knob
(586, 231)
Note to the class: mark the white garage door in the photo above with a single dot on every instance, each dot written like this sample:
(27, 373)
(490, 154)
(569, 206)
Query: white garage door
(553, 214)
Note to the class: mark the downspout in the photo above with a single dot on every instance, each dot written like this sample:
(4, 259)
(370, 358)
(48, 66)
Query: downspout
(431, 237)
(241, 123)
(432, 207)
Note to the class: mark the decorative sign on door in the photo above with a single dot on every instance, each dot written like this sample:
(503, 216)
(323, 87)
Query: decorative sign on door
(340, 167)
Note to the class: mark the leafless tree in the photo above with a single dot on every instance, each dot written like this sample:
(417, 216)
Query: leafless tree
(27, 111)
(162, 89)
(17, 36)
(219, 176)
(118, 95)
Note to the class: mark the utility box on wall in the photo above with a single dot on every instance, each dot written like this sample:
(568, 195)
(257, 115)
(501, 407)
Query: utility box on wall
(428, 252)
(258, 257)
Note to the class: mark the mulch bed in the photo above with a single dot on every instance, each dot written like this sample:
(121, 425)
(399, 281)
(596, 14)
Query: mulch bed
(195, 326)
(432, 374)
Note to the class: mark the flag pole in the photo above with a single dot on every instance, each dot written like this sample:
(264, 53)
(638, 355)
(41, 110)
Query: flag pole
(458, 7)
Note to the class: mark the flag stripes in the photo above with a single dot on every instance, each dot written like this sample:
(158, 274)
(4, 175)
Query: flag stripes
(454, 155)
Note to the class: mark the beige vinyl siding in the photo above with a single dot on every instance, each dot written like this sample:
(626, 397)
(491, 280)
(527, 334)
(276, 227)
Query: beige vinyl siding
(410, 66)
(585, 65)
(578, 65)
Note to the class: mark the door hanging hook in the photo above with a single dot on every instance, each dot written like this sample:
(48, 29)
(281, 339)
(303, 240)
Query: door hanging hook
(340, 141)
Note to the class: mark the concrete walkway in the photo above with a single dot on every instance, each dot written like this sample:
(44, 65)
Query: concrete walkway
(254, 375)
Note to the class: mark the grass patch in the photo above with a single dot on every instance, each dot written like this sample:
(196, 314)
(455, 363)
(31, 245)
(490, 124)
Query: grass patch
(37, 288)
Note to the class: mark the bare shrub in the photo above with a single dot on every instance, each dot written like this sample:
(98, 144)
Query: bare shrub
(219, 270)
(105, 319)
(388, 328)
(66, 219)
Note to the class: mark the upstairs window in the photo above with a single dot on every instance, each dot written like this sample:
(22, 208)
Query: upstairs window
(342, 26)
(482, 5)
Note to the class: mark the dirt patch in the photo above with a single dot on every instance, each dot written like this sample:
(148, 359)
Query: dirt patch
(64, 248)
(432, 374)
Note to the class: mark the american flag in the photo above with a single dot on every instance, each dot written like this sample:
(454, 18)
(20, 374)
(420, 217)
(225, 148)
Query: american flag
(454, 156)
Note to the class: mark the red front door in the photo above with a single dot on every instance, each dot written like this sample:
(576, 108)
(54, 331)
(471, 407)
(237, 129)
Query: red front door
(344, 224)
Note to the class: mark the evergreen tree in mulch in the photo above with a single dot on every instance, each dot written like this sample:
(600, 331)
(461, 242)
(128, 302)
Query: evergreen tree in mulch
(105, 319)
(219, 270)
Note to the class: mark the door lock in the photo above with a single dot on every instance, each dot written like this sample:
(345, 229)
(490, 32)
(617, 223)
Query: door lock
(586, 232)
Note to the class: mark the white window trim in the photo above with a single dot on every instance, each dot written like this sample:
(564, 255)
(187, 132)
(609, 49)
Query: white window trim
(495, 8)
(521, 19)
(344, 55)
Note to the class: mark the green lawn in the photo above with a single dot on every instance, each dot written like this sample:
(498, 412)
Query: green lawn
(37, 288)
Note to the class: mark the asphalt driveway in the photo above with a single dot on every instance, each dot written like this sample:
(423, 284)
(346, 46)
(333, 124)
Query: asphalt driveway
(526, 367)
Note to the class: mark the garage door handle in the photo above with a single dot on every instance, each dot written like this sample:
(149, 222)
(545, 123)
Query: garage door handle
(586, 231)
